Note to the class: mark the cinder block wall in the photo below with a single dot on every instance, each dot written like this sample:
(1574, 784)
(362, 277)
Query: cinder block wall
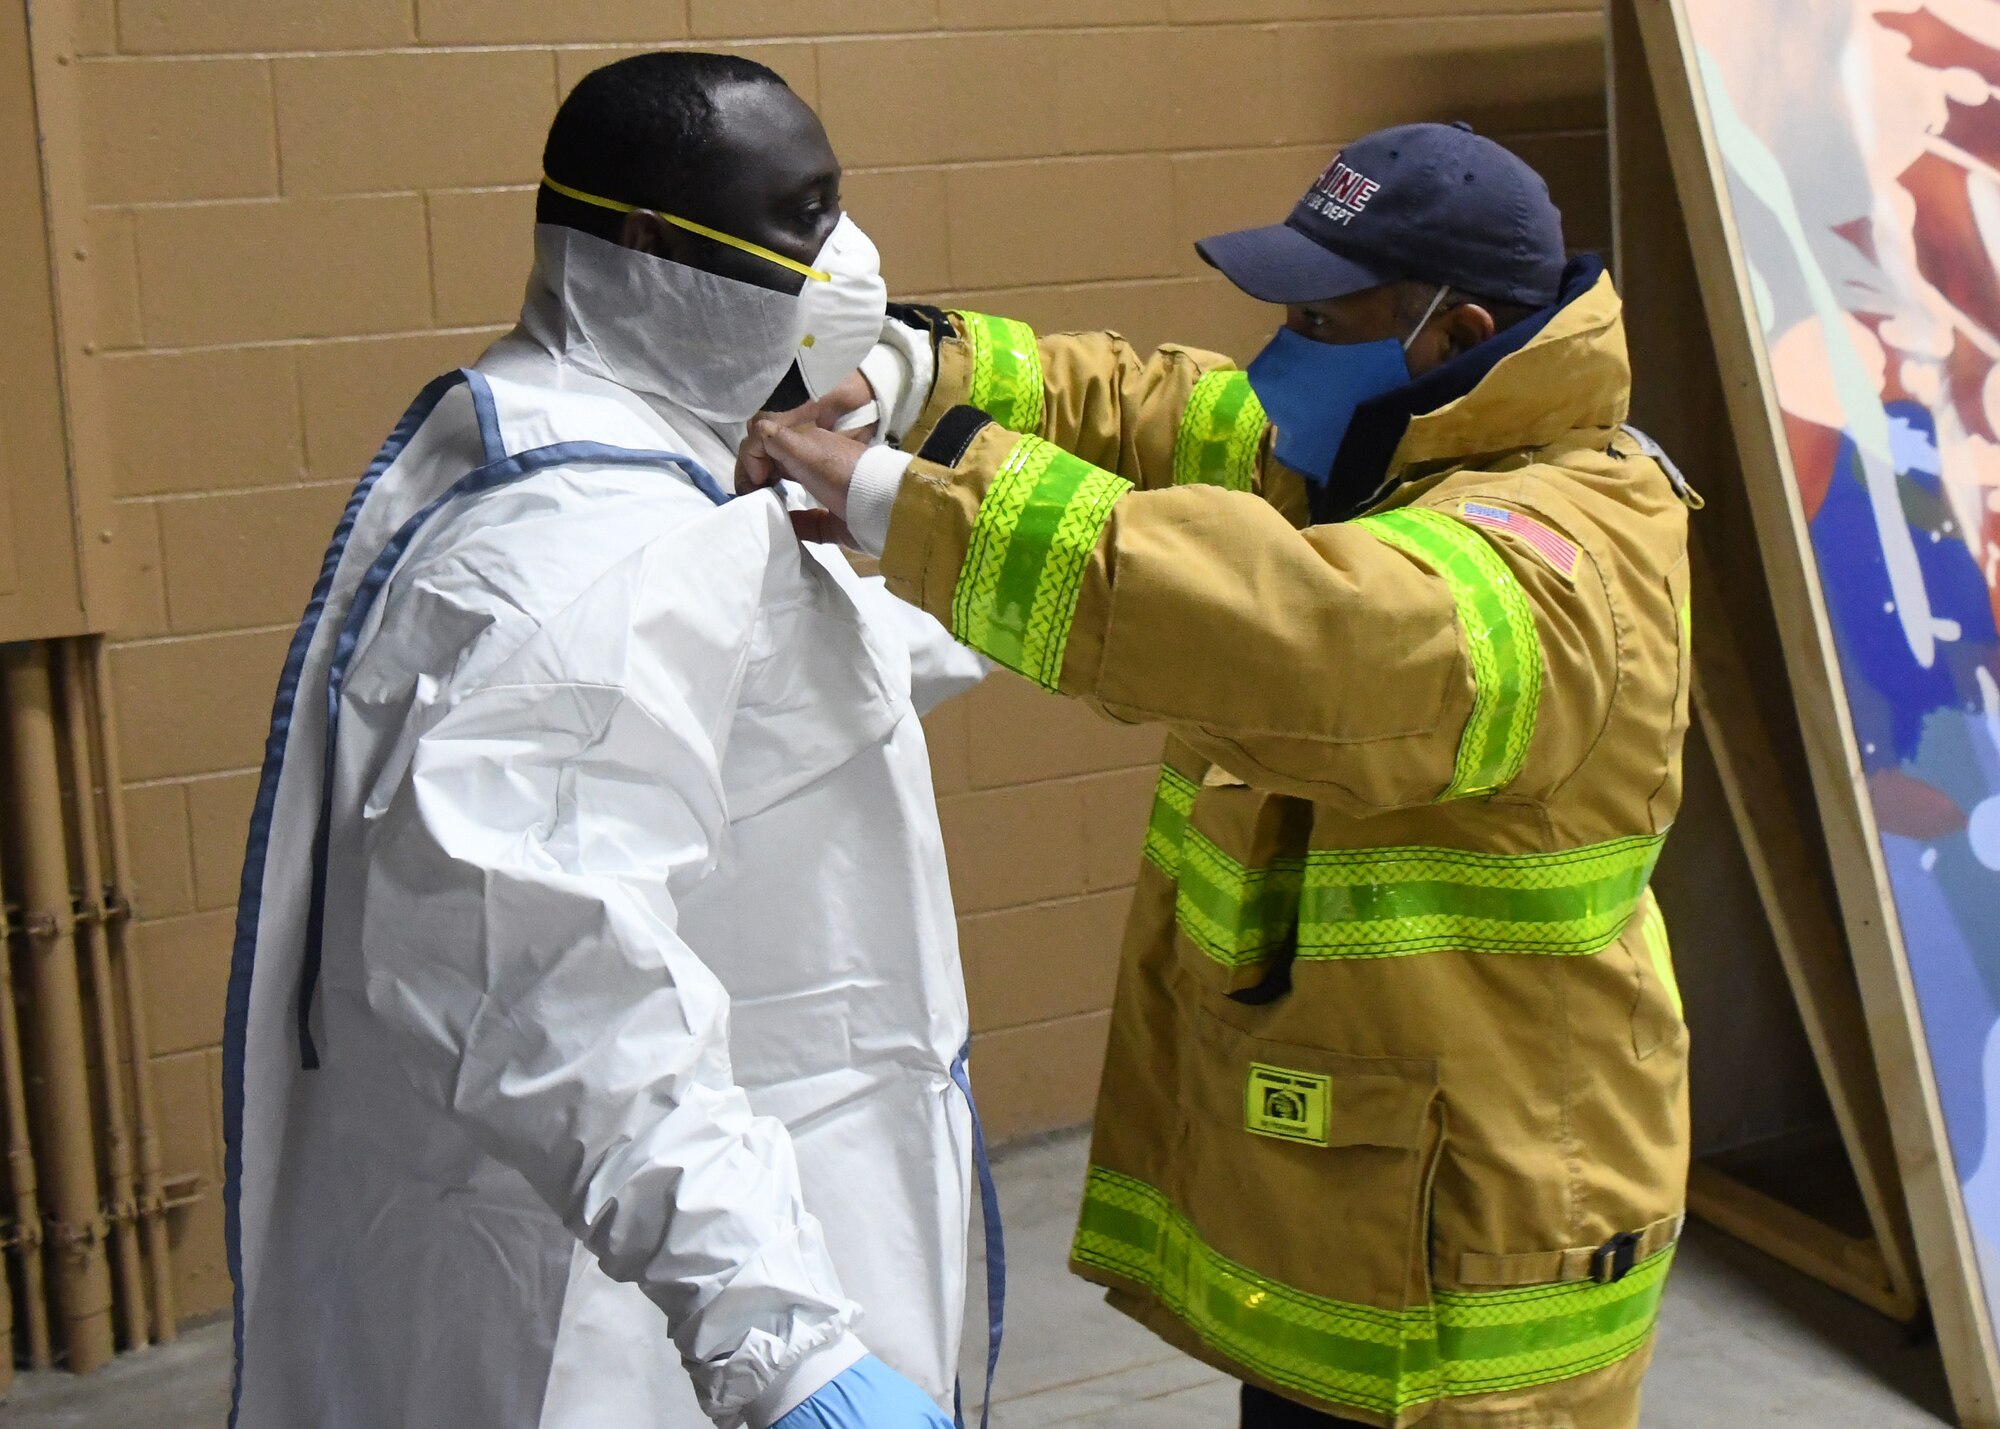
(300, 212)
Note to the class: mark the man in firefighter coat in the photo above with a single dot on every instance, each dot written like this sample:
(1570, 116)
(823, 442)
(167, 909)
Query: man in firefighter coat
(1393, 1124)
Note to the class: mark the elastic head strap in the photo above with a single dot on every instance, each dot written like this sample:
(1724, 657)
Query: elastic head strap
(740, 244)
(1429, 313)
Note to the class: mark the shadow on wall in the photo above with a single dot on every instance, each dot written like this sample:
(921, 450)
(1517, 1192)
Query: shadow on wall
(1501, 88)
(1543, 100)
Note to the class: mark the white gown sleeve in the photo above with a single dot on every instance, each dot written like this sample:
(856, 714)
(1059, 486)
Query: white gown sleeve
(521, 952)
(940, 667)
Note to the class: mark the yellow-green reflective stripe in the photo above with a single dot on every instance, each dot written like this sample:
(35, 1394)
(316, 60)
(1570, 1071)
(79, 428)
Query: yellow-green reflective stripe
(1466, 1342)
(1219, 433)
(1031, 541)
(1653, 929)
(1173, 801)
(1392, 902)
(1500, 640)
(1235, 914)
(1006, 371)
(1398, 902)
(1350, 1354)
(1493, 1340)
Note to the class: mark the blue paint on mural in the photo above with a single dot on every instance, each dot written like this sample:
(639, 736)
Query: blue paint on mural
(1891, 693)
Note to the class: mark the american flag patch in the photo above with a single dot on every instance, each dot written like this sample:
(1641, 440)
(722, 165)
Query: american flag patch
(1558, 551)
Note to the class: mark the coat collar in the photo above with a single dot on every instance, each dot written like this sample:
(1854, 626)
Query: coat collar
(1562, 369)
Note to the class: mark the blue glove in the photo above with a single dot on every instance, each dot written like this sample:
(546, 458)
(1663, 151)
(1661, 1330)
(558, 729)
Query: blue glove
(868, 1396)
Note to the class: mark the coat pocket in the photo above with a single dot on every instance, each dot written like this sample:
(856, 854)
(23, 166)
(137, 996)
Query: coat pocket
(1656, 993)
(1305, 1196)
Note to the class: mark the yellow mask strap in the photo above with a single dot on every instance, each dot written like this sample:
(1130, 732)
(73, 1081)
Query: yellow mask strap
(740, 244)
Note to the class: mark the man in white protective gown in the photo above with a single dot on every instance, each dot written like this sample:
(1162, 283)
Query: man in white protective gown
(593, 1052)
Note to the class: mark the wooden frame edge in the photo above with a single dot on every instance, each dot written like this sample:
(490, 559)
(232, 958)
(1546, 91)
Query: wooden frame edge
(1854, 1266)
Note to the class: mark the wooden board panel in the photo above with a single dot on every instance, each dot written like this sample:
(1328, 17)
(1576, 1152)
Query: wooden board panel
(1852, 479)
(38, 576)
(58, 556)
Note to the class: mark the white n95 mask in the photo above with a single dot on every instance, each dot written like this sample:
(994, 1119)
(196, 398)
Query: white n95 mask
(845, 312)
(711, 344)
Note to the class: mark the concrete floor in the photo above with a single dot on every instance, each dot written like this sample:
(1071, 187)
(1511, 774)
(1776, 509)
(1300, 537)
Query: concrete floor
(1743, 1342)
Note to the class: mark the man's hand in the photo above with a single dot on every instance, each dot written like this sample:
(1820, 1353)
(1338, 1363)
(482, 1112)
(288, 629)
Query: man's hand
(753, 463)
(822, 462)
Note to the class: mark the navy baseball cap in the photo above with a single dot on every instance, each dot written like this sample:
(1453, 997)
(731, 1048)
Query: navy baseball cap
(1434, 202)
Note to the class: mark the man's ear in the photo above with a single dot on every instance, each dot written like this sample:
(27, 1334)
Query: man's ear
(1466, 326)
(646, 232)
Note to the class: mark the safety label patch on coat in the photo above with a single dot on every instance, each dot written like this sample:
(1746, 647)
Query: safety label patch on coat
(1291, 1106)
(1558, 552)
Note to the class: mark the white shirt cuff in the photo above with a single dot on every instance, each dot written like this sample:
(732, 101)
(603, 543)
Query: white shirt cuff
(803, 1380)
(871, 496)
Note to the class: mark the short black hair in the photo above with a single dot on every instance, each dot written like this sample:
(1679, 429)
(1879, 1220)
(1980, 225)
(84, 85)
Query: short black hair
(641, 130)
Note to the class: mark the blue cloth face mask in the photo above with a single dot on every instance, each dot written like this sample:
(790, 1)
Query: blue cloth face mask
(1310, 390)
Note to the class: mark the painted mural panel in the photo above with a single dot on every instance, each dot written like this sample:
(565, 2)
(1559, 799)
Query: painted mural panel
(1861, 143)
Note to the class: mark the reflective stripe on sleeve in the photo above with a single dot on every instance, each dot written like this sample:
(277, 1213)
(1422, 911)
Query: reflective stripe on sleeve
(1173, 801)
(1031, 542)
(1465, 1342)
(1501, 642)
(1006, 371)
(1219, 433)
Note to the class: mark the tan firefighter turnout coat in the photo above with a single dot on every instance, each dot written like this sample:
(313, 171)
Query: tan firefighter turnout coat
(1421, 762)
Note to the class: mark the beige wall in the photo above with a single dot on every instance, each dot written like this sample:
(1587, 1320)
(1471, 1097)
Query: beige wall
(299, 210)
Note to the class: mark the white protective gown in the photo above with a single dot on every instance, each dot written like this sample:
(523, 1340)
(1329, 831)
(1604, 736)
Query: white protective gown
(637, 997)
